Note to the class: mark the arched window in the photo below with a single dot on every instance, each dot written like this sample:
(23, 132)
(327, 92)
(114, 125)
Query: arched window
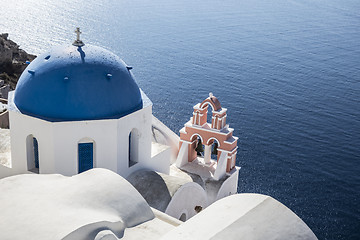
(32, 153)
(85, 155)
(209, 114)
(133, 152)
(199, 147)
(214, 146)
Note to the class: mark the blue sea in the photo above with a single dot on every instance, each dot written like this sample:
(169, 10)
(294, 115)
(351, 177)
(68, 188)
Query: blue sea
(288, 71)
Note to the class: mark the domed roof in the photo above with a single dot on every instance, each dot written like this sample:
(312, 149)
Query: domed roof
(71, 83)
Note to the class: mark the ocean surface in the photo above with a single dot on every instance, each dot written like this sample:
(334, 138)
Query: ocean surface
(288, 71)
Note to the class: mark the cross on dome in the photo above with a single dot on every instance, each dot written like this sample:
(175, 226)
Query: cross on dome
(78, 42)
(77, 31)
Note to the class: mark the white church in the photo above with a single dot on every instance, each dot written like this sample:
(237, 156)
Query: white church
(78, 107)
(89, 161)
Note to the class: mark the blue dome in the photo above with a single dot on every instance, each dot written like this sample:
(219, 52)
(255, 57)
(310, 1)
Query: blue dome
(77, 83)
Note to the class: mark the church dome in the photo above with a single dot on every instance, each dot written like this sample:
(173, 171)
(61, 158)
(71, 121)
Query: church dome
(71, 83)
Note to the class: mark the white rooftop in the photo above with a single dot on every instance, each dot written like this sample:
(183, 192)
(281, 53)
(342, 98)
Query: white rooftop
(99, 204)
(243, 216)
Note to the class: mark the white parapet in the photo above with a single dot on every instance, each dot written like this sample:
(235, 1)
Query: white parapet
(221, 166)
(182, 157)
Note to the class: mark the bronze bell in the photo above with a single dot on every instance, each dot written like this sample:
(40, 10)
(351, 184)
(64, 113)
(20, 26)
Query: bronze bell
(199, 148)
(214, 150)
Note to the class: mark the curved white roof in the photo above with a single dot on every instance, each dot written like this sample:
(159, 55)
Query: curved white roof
(243, 216)
(53, 206)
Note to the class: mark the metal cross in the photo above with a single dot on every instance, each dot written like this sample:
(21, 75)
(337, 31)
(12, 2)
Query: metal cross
(78, 42)
(77, 34)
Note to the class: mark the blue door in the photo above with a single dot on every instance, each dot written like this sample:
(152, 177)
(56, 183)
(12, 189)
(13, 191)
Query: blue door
(85, 156)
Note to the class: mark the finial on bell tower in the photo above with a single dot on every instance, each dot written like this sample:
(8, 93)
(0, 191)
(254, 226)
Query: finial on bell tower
(78, 42)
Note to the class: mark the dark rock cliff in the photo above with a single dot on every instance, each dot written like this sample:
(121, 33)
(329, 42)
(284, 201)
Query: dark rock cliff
(12, 61)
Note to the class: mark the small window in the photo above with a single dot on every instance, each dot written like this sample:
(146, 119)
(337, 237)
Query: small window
(32, 153)
(133, 152)
(36, 152)
(198, 209)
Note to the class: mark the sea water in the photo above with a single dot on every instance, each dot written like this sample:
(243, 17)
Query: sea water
(287, 70)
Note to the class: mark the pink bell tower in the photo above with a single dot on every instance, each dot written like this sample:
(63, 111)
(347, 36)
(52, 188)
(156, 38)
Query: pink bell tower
(214, 134)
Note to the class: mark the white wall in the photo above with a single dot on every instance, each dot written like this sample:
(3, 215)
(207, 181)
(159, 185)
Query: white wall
(141, 120)
(230, 185)
(160, 157)
(58, 143)
(67, 135)
(23, 126)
